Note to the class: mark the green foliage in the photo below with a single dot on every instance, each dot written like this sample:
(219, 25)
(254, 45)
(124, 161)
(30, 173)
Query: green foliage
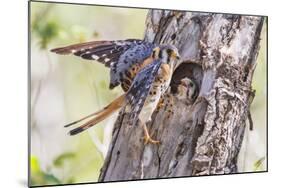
(39, 177)
(258, 165)
(59, 161)
(46, 31)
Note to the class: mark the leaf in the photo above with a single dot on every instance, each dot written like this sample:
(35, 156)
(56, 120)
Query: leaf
(51, 179)
(34, 164)
(38, 177)
(58, 162)
(46, 31)
(258, 164)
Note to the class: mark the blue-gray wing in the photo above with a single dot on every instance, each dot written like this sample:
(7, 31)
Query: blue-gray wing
(139, 90)
(106, 52)
(136, 54)
(119, 55)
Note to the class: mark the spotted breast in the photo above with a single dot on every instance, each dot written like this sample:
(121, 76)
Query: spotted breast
(157, 89)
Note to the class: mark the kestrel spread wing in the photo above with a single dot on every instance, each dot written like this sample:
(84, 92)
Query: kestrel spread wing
(120, 56)
(134, 98)
(139, 90)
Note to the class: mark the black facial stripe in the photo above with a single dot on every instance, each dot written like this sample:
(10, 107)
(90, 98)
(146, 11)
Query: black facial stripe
(153, 54)
(169, 58)
(160, 54)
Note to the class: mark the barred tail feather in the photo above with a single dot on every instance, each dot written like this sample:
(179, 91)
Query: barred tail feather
(78, 47)
(86, 117)
(101, 115)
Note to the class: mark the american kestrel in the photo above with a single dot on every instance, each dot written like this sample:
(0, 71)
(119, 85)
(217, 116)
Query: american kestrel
(143, 69)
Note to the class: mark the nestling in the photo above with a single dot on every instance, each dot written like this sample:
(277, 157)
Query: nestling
(187, 90)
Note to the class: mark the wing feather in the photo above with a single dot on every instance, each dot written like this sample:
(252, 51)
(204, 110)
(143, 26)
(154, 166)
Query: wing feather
(119, 55)
(106, 52)
(139, 90)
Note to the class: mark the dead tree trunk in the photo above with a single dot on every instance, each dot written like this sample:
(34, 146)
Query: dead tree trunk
(205, 137)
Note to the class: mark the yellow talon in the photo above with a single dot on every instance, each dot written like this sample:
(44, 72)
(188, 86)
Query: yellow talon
(147, 138)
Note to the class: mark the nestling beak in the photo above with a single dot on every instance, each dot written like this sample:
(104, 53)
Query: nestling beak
(183, 83)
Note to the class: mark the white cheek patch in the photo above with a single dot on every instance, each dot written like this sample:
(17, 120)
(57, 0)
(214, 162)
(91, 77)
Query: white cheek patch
(95, 57)
(73, 51)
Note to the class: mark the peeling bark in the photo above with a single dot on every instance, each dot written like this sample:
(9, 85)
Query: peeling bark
(219, 53)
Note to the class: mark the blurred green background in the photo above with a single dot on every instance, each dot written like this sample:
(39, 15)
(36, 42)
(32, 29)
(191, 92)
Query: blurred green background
(66, 88)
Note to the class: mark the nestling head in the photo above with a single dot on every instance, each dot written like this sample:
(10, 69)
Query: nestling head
(187, 90)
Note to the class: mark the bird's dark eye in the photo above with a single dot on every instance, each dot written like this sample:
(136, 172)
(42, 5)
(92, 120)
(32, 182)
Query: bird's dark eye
(169, 51)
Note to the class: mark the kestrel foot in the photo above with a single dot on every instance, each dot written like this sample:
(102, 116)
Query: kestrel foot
(147, 138)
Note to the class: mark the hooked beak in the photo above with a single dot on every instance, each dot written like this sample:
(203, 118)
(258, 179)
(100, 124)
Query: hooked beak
(177, 59)
(178, 62)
